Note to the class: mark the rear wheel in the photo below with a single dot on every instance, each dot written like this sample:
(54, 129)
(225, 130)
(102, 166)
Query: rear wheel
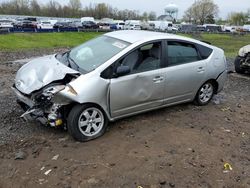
(205, 94)
(237, 63)
(86, 122)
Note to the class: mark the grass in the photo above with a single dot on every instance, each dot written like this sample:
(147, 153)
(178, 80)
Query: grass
(228, 42)
(25, 41)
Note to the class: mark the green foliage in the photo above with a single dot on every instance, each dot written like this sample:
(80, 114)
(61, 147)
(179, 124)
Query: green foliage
(25, 41)
(228, 42)
(201, 11)
(238, 18)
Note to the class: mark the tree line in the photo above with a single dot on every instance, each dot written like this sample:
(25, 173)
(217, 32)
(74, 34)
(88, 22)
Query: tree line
(206, 11)
(73, 9)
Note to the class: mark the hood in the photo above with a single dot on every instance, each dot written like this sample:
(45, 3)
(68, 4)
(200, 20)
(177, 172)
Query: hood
(40, 72)
(244, 50)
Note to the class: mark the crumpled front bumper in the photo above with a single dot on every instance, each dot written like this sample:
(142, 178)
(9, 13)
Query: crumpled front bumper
(31, 112)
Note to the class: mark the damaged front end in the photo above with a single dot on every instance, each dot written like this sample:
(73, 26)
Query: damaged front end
(46, 105)
(38, 86)
(242, 62)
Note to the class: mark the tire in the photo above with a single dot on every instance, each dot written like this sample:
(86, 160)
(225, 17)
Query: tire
(238, 69)
(86, 122)
(205, 94)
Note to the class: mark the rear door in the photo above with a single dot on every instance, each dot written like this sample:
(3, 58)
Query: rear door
(185, 72)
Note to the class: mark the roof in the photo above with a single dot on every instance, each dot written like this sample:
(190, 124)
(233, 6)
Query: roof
(133, 36)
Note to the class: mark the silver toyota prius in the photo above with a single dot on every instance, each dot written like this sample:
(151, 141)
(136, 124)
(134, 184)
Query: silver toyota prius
(116, 75)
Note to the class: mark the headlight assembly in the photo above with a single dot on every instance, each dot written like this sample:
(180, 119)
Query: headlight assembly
(53, 90)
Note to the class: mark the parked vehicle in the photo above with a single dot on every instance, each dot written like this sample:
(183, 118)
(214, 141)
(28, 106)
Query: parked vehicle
(147, 26)
(89, 25)
(76, 24)
(246, 28)
(113, 26)
(4, 23)
(120, 25)
(132, 25)
(188, 28)
(230, 29)
(32, 19)
(200, 28)
(104, 26)
(53, 22)
(86, 19)
(25, 24)
(61, 25)
(116, 75)
(242, 61)
(163, 25)
(212, 28)
(44, 25)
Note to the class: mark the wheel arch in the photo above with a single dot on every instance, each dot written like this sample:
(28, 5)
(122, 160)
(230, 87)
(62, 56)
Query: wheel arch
(106, 114)
(215, 84)
(213, 81)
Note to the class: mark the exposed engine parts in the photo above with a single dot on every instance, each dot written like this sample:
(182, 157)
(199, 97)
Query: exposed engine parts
(242, 61)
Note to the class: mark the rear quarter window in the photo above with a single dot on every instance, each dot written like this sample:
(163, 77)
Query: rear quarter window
(205, 52)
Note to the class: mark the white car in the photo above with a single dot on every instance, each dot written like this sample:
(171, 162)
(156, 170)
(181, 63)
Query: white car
(132, 25)
(246, 28)
(6, 24)
(120, 25)
(44, 25)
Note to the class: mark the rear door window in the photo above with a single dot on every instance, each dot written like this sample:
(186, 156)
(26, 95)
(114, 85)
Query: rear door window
(181, 53)
(205, 52)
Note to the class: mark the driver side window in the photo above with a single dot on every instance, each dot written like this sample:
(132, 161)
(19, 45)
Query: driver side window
(145, 58)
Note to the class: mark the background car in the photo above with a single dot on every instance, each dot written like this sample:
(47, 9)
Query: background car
(61, 25)
(135, 71)
(4, 23)
(120, 25)
(75, 24)
(89, 25)
(26, 24)
(44, 25)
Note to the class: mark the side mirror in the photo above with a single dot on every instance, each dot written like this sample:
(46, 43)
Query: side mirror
(122, 70)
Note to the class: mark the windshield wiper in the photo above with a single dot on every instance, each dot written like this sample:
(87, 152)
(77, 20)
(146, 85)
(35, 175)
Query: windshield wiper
(73, 64)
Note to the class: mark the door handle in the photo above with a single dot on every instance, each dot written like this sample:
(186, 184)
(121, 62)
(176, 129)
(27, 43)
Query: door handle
(201, 69)
(158, 79)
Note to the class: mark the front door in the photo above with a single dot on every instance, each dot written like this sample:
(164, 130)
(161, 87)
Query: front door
(142, 89)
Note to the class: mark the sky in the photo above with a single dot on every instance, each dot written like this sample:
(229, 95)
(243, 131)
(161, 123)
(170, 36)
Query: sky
(225, 6)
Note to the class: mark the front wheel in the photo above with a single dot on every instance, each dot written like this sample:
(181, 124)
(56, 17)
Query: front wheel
(237, 63)
(205, 94)
(86, 122)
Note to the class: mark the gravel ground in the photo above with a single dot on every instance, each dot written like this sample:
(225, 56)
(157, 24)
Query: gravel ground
(180, 146)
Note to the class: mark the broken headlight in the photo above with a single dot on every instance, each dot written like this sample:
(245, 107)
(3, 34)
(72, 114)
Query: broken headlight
(50, 91)
(46, 95)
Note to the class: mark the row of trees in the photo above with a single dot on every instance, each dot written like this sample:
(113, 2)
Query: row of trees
(239, 18)
(205, 11)
(73, 9)
(201, 12)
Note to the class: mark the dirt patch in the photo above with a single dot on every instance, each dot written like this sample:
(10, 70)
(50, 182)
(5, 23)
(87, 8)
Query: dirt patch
(24, 54)
(180, 146)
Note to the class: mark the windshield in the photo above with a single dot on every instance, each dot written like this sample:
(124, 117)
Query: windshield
(94, 53)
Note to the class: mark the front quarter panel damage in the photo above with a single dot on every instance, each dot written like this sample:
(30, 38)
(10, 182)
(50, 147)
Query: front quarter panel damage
(89, 89)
